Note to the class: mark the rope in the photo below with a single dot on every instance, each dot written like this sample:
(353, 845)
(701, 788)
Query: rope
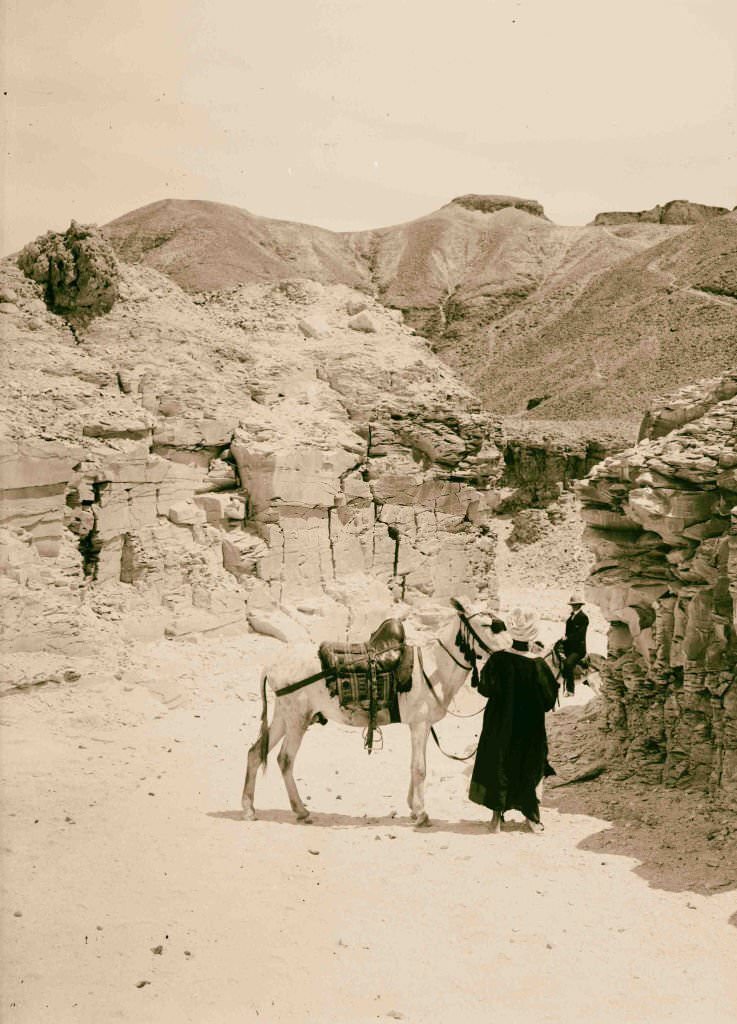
(453, 757)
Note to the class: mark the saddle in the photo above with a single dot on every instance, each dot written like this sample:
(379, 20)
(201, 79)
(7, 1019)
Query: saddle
(583, 666)
(369, 676)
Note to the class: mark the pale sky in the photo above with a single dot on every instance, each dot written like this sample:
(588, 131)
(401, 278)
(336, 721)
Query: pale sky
(353, 114)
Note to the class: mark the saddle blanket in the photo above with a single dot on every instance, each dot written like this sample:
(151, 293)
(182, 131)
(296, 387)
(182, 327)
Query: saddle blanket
(353, 690)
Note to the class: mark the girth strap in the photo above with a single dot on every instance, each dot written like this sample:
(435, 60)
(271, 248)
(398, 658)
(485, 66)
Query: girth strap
(302, 682)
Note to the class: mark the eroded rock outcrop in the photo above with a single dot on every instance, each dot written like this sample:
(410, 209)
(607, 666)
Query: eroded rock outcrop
(677, 211)
(662, 524)
(542, 459)
(492, 204)
(77, 270)
(186, 465)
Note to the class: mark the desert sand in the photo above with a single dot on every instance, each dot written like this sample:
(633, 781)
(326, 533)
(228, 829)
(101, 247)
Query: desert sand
(134, 891)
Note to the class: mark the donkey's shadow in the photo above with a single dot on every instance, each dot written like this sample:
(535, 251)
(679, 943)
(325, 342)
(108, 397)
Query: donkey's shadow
(387, 821)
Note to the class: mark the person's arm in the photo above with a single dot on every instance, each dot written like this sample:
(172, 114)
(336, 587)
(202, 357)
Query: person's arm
(489, 678)
(547, 684)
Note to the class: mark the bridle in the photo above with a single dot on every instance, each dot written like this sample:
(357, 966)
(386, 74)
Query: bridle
(464, 641)
(467, 637)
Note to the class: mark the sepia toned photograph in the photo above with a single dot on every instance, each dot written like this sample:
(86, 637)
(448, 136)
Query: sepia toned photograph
(368, 512)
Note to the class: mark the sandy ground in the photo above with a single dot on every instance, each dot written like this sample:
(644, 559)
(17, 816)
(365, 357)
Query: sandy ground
(133, 890)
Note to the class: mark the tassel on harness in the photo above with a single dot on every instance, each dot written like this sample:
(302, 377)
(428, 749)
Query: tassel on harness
(465, 646)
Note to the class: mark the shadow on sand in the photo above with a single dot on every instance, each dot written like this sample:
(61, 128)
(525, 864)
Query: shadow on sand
(338, 821)
(683, 844)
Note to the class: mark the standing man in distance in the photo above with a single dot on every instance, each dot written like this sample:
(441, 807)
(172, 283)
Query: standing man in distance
(574, 644)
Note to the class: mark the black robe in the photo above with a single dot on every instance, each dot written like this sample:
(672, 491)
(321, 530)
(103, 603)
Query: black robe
(512, 755)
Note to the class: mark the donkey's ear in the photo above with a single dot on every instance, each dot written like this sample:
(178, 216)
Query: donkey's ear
(457, 605)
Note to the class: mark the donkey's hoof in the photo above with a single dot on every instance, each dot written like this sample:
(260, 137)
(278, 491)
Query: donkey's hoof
(422, 821)
(249, 814)
(413, 815)
(304, 818)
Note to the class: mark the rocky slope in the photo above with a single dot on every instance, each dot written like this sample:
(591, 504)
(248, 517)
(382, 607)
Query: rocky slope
(570, 323)
(652, 323)
(286, 455)
(661, 525)
(207, 246)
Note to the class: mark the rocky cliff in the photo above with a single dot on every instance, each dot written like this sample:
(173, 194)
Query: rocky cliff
(542, 458)
(662, 524)
(677, 211)
(284, 454)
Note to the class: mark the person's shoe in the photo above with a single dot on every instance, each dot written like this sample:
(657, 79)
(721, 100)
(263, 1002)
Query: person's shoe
(535, 826)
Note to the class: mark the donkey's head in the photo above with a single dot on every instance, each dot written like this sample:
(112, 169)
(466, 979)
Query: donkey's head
(479, 634)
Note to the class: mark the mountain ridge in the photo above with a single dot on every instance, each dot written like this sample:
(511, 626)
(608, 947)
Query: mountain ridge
(490, 276)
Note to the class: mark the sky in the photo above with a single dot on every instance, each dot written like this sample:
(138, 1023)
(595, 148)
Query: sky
(354, 114)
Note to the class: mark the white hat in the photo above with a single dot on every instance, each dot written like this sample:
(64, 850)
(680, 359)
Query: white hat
(522, 626)
(576, 598)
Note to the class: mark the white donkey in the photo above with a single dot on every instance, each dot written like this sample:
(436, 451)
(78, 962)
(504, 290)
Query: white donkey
(440, 670)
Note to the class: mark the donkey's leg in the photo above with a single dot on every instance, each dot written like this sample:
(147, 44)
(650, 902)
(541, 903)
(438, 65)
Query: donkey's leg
(276, 731)
(290, 746)
(419, 732)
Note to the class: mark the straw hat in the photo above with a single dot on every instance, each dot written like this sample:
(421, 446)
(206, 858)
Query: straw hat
(576, 598)
(522, 626)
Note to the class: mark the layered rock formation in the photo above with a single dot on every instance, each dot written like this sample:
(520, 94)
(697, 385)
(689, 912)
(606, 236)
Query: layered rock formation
(677, 211)
(662, 523)
(541, 459)
(181, 466)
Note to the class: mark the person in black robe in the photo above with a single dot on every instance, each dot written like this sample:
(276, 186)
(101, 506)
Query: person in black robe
(512, 755)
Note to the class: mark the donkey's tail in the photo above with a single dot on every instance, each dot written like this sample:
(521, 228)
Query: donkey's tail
(263, 738)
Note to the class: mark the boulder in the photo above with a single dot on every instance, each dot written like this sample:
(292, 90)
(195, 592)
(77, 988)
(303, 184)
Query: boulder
(313, 327)
(186, 513)
(78, 271)
(363, 322)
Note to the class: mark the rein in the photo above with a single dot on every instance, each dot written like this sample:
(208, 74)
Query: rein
(453, 657)
(464, 645)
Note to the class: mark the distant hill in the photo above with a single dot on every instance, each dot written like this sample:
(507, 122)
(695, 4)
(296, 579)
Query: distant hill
(209, 246)
(653, 322)
(548, 321)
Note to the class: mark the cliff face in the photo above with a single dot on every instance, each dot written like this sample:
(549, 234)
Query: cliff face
(541, 459)
(677, 211)
(662, 524)
(181, 466)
